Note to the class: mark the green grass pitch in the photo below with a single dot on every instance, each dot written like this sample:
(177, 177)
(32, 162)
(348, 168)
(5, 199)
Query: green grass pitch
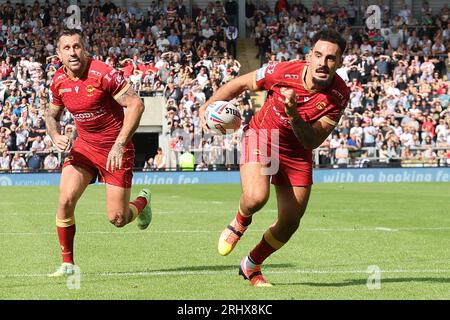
(404, 229)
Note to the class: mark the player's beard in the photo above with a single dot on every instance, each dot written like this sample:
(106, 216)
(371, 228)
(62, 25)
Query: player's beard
(321, 82)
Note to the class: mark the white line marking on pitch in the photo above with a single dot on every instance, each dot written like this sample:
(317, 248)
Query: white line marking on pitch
(386, 229)
(374, 229)
(199, 273)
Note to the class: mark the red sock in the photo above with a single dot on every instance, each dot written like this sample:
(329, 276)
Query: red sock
(139, 203)
(261, 252)
(66, 236)
(245, 221)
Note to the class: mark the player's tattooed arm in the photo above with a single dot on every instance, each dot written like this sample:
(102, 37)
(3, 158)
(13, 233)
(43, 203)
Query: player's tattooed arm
(128, 98)
(52, 120)
(53, 129)
(135, 108)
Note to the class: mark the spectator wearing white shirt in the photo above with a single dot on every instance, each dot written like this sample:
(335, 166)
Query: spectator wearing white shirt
(412, 39)
(18, 163)
(207, 32)
(438, 48)
(5, 161)
(342, 155)
(378, 120)
(283, 54)
(441, 128)
(427, 66)
(22, 135)
(38, 144)
(395, 38)
(369, 134)
(406, 138)
(202, 77)
(405, 14)
(356, 129)
(162, 43)
(365, 47)
(51, 162)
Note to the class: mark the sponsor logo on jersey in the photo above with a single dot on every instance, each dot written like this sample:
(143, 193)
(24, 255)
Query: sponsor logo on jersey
(64, 90)
(90, 90)
(261, 73)
(60, 77)
(321, 105)
(119, 79)
(291, 76)
(89, 116)
(271, 67)
(76, 89)
(336, 92)
(107, 77)
(305, 99)
(95, 72)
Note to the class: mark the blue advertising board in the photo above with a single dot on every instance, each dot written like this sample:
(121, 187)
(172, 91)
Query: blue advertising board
(369, 175)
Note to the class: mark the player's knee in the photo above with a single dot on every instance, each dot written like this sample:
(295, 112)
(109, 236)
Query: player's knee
(67, 202)
(117, 220)
(255, 201)
(290, 224)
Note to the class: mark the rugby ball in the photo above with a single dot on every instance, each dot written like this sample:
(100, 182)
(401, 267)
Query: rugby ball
(223, 117)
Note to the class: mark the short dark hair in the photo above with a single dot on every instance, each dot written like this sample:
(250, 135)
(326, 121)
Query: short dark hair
(66, 32)
(330, 36)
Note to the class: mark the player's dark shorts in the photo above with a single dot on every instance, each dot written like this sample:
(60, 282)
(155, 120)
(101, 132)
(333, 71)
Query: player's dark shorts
(93, 159)
(286, 166)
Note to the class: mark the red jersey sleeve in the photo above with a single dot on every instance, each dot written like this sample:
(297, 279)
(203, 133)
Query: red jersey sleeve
(114, 83)
(268, 75)
(333, 115)
(339, 96)
(55, 97)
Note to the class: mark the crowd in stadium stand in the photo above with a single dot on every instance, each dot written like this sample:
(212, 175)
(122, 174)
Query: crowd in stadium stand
(399, 106)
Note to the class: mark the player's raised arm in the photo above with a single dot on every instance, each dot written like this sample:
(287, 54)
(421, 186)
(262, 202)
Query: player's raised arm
(312, 135)
(229, 91)
(135, 108)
